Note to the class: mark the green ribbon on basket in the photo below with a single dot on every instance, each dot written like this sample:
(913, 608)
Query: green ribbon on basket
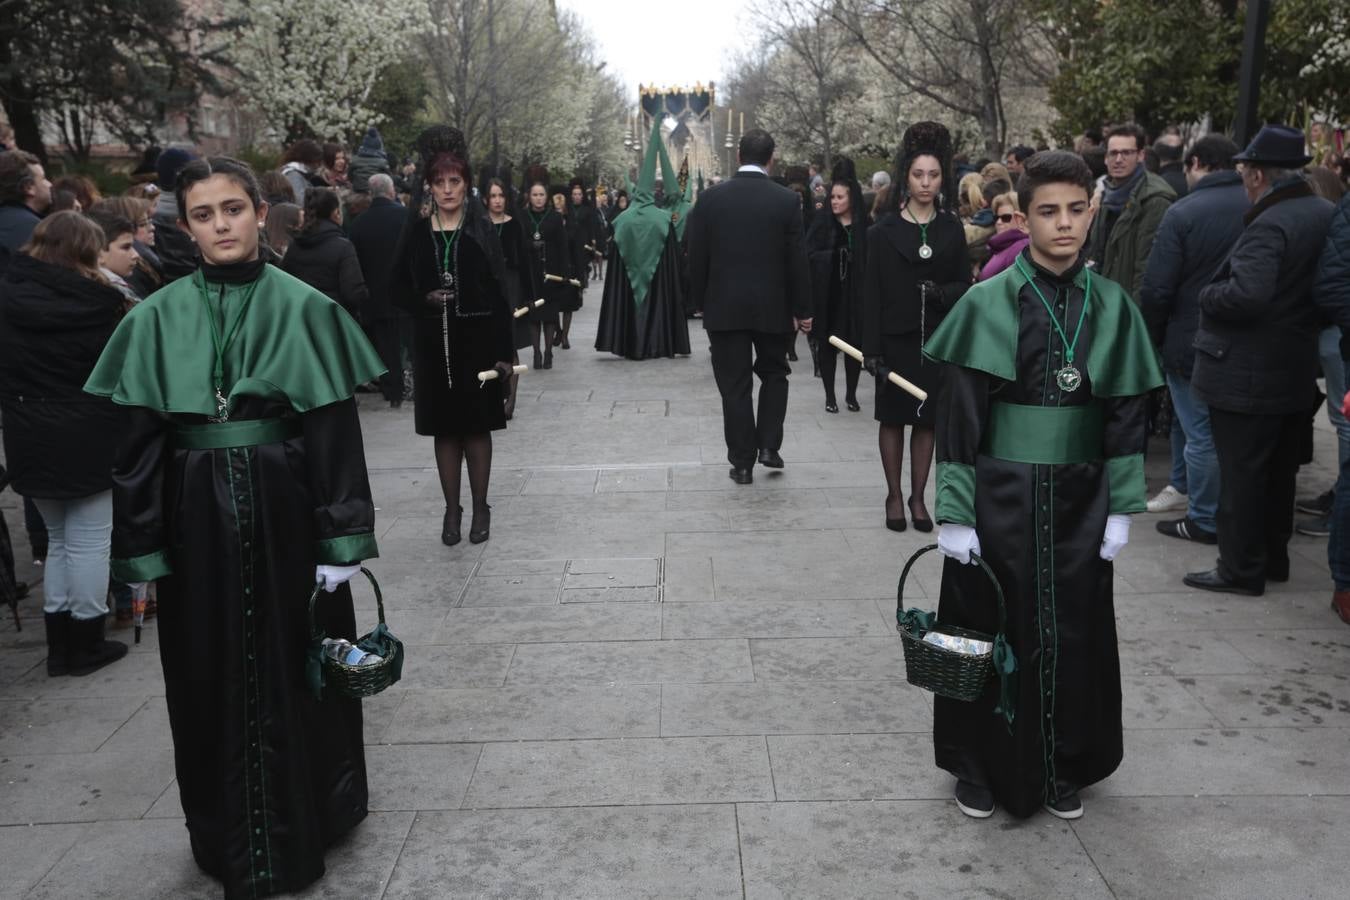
(1005, 664)
(917, 622)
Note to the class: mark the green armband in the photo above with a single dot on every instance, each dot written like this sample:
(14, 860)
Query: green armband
(956, 493)
(150, 567)
(1125, 479)
(349, 548)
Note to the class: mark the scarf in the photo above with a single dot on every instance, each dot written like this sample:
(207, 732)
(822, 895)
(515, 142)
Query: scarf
(1115, 197)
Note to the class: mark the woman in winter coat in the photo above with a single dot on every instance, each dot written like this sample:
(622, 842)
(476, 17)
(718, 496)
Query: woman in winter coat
(1009, 238)
(56, 315)
(322, 257)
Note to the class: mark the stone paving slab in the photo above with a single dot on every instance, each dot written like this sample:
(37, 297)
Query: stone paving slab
(630, 851)
(651, 682)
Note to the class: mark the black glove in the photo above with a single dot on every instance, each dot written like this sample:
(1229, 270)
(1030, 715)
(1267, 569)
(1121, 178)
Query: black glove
(930, 290)
(874, 366)
(504, 370)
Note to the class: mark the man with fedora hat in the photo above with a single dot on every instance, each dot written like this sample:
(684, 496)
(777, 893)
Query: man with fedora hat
(1256, 361)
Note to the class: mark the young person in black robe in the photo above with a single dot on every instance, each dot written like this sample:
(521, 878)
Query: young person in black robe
(917, 268)
(450, 275)
(241, 482)
(586, 234)
(515, 256)
(836, 245)
(1040, 453)
(553, 269)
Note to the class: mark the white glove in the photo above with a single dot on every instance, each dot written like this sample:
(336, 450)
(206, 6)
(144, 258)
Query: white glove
(958, 542)
(334, 577)
(1116, 537)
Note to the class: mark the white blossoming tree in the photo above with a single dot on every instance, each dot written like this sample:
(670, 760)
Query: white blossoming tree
(308, 66)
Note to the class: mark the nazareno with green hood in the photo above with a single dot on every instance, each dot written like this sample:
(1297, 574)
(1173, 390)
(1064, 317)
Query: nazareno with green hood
(642, 313)
(240, 475)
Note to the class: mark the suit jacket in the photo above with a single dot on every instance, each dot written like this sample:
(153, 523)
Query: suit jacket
(375, 235)
(747, 259)
(1256, 348)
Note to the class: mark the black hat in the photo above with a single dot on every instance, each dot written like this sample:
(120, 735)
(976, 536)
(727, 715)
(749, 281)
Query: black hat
(1276, 145)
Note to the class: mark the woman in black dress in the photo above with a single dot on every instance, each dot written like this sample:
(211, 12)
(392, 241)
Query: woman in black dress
(451, 276)
(515, 253)
(917, 268)
(836, 245)
(553, 268)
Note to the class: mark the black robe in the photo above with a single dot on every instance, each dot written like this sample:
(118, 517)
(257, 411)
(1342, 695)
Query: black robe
(1040, 528)
(837, 266)
(553, 254)
(659, 326)
(587, 234)
(268, 776)
(516, 256)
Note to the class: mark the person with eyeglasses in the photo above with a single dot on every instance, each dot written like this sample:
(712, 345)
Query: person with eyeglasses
(1132, 207)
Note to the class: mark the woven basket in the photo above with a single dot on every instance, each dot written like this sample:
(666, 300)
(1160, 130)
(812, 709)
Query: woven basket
(960, 676)
(360, 681)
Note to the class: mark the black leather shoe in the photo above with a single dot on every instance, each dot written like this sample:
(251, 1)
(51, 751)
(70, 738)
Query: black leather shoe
(1187, 530)
(741, 476)
(921, 523)
(770, 459)
(852, 405)
(450, 527)
(832, 407)
(481, 529)
(1213, 581)
(896, 524)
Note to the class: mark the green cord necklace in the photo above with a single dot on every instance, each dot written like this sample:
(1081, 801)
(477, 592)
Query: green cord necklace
(925, 251)
(222, 344)
(1068, 378)
(537, 222)
(448, 268)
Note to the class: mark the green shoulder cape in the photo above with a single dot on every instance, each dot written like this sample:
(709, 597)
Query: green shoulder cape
(981, 333)
(294, 345)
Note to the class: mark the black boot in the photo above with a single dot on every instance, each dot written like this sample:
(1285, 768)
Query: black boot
(89, 652)
(58, 642)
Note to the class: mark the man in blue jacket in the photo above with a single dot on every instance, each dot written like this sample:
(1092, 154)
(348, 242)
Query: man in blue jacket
(1193, 240)
(1256, 362)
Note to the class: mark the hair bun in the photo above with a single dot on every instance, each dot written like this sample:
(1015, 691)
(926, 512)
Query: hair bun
(440, 139)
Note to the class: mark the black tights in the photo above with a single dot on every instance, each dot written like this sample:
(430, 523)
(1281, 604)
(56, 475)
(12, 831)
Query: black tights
(476, 450)
(567, 326)
(891, 442)
(549, 328)
(828, 357)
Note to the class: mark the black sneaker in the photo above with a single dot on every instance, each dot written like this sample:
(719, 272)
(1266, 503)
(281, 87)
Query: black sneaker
(1318, 527)
(973, 800)
(1187, 530)
(1068, 806)
(1317, 506)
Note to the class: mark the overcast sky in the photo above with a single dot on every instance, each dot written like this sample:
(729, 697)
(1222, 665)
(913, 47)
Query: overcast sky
(667, 42)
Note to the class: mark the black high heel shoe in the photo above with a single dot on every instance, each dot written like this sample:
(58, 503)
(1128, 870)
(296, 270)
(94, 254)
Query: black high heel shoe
(476, 534)
(896, 524)
(450, 536)
(852, 404)
(924, 524)
(831, 406)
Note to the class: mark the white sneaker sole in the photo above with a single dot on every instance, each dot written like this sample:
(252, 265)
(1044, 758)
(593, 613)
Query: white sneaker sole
(972, 812)
(1072, 814)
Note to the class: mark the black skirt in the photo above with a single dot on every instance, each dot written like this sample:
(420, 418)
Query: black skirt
(459, 405)
(901, 354)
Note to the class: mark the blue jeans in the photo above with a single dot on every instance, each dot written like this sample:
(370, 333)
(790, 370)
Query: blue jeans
(1202, 464)
(1338, 545)
(78, 550)
(1178, 441)
(1333, 367)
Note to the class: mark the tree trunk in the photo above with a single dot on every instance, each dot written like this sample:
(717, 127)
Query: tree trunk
(991, 122)
(20, 110)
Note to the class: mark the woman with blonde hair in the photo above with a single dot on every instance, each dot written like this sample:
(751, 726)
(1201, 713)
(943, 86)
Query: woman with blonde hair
(1010, 235)
(56, 315)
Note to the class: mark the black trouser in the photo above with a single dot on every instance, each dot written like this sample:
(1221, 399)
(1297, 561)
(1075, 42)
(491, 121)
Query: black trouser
(1258, 464)
(390, 336)
(732, 368)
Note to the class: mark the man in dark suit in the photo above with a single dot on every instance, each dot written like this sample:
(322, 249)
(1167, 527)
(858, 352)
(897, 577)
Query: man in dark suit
(748, 275)
(375, 235)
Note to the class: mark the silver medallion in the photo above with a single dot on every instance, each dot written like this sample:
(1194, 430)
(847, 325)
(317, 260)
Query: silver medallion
(536, 235)
(1069, 379)
(925, 251)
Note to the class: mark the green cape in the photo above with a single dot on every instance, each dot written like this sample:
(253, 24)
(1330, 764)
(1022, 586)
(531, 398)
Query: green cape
(294, 345)
(981, 333)
(640, 233)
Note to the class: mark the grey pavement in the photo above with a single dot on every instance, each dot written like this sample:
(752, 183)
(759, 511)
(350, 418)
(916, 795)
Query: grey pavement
(652, 682)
